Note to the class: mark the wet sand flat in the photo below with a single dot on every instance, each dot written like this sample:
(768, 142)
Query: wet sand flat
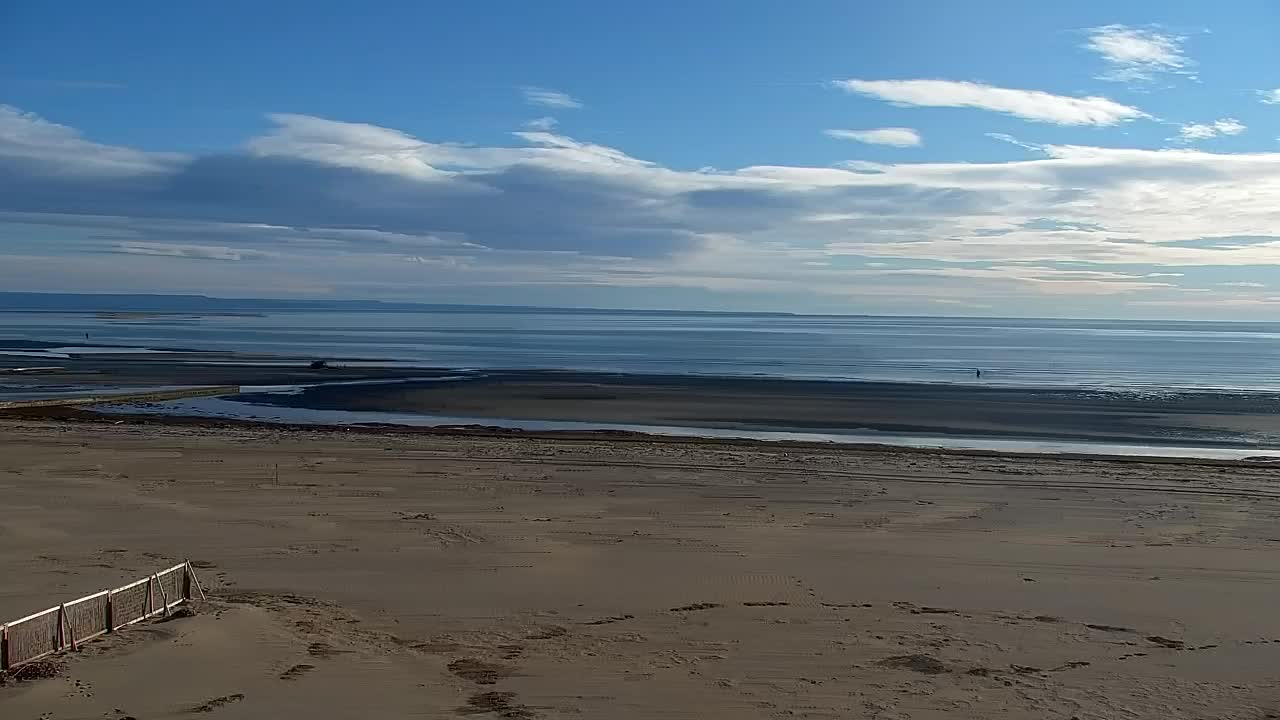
(1203, 417)
(363, 575)
(985, 409)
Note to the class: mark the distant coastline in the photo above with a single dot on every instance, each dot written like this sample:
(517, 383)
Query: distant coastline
(160, 304)
(137, 303)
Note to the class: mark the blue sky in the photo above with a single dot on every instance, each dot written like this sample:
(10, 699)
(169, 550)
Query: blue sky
(1087, 159)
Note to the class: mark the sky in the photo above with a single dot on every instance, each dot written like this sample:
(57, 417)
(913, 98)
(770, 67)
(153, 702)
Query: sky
(1087, 159)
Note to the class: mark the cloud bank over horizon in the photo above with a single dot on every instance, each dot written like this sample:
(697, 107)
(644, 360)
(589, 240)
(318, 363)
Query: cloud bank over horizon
(830, 158)
(331, 208)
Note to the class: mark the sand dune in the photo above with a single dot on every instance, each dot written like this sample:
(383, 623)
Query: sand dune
(357, 576)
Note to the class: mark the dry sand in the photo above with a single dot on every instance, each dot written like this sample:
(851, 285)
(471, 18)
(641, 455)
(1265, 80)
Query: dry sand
(424, 576)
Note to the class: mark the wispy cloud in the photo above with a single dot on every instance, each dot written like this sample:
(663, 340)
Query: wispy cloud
(1011, 140)
(1137, 54)
(893, 136)
(962, 303)
(194, 252)
(1270, 97)
(545, 124)
(545, 97)
(90, 85)
(1205, 131)
(1035, 105)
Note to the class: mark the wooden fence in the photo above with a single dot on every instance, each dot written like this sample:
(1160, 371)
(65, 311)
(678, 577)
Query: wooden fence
(68, 625)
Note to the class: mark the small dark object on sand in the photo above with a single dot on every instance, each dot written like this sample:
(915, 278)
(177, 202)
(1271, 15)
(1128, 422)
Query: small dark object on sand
(319, 364)
(926, 664)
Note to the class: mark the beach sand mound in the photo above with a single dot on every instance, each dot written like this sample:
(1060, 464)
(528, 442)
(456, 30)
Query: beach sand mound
(237, 660)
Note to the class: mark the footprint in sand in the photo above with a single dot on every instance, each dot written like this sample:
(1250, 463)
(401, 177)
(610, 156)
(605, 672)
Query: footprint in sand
(323, 650)
(609, 620)
(502, 704)
(511, 652)
(297, 671)
(926, 664)
(480, 672)
(1109, 628)
(214, 704)
(547, 633)
(695, 606)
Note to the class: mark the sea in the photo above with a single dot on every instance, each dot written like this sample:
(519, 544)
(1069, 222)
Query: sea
(1109, 354)
(1149, 361)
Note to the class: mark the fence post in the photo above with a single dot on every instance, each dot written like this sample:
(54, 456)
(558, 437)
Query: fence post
(191, 575)
(186, 581)
(62, 611)
(164, 597)
(69, 636)
(111, 612)
(4, 647)
(149, 605)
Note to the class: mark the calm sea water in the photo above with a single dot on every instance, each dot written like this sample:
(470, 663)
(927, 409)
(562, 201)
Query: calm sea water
(1112, 354)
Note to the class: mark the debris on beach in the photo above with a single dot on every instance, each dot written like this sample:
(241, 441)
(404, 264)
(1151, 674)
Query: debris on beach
(36, 670)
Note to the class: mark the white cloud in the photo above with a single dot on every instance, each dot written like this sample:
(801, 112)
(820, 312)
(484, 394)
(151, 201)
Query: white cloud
(545, 124)
(1270, 97)
(893, 136)
(40, 146)
(381, 150)
(1033, 105)
(328, 207)
(565, 153)
(549, 98)
(1243, 284)
(1229, 126)
(352, 145)
(1137, 54)
(1204, 131)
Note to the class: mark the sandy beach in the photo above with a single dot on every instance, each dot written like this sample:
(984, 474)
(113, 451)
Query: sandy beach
(357, 575)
